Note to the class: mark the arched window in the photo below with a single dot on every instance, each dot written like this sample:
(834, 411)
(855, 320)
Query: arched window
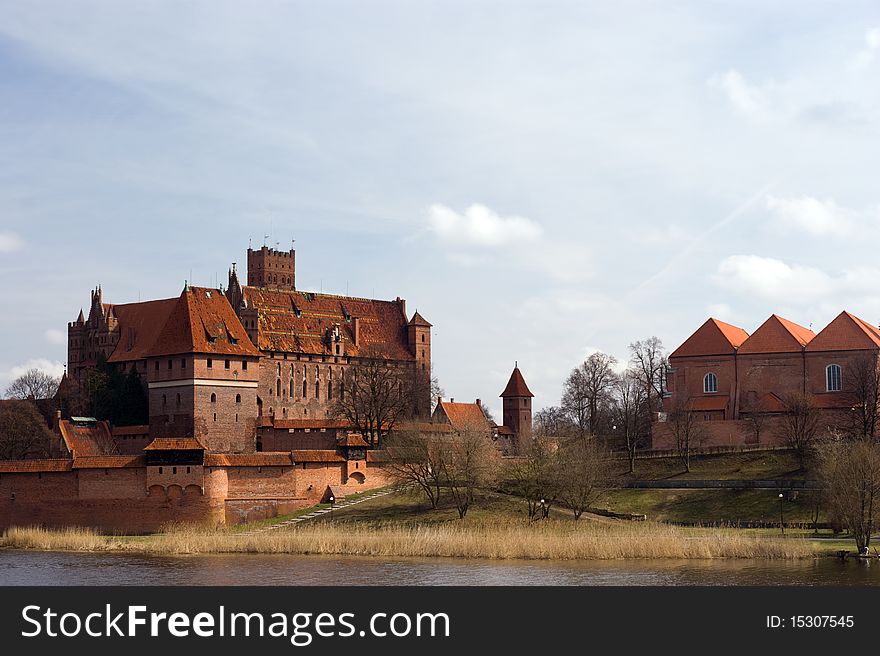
(832, 378)
(213, 398)
(279, 370)
(304, 383)
(317, 382)
(710, 383)
(278, 387)
(238, 398)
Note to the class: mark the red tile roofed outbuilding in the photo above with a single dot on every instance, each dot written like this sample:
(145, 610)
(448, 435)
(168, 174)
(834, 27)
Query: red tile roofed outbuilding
(777, 335)
(202, 321)
(846, 333)
(87, 437)
(712, 338)
(462, 416)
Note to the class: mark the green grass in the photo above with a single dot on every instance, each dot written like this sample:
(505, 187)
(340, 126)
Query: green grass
(729, 506)
(758, 465)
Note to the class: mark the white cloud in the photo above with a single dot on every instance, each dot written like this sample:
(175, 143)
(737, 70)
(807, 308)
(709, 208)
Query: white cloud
(867, 54)
(746, 98)
(10, 242)
(774, 280)
(813, 216)
(54, 336)
(478, 225)
(52, 367)
(820, 218)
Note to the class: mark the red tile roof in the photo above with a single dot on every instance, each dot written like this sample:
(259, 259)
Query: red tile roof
(708, 403)
(175, 444)
(202, 321)
(352, 439)
(139, 325)
(108, 462)
(300, 322)
(770, 402)
(87, 438)
(516, 386)
(419, 320)
(43, 465)
(777, 335)
(264, 459)
(317, 455)
(712, 338)
(846, 333)
(462, 416)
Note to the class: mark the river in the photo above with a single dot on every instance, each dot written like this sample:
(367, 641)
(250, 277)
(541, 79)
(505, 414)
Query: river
(53, 568)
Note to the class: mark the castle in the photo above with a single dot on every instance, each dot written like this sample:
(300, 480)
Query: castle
(741, 385)
(241, 389)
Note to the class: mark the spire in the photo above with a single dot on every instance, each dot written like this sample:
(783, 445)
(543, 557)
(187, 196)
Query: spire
(419, 320)
(516, 386)
(81, 319)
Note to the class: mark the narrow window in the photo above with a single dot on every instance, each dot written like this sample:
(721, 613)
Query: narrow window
(278, 387)
(832, 378)
(317, 382)
(170, 365)
(183, 363)
(423, 339)
(238, 398)
(160, 470)
(178, 400)
(164, 400)
(226, 364)
(304, 383)
(187, 470)
(710, 383)
(174, 470)
(213, 398)
(157, 365)
(215, 416)
(244, 365)
(210, 363)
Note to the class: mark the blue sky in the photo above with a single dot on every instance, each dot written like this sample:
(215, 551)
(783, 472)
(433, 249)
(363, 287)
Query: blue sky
(540, 180)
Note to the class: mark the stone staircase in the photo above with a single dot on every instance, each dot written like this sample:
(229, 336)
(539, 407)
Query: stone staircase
(322, 511)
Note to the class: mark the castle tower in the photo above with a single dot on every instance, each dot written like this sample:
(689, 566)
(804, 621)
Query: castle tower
(271, 268)
(419, 336)
(518, 405)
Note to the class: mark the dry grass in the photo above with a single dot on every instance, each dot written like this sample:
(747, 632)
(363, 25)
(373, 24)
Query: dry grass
(561, 540)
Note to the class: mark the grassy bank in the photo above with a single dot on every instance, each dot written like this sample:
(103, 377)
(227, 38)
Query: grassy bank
(552, 539)
(723, 466)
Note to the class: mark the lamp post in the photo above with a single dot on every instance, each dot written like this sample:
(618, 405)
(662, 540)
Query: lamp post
(543, 511)
(332, 500)
(781, 517)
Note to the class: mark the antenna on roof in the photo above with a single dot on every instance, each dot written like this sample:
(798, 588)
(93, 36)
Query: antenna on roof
(250, 239)
(516, 364)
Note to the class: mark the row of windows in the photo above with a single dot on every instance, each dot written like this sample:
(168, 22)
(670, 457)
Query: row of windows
(832, 380)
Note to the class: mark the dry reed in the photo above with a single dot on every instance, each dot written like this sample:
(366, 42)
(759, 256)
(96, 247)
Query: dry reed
(484, 539)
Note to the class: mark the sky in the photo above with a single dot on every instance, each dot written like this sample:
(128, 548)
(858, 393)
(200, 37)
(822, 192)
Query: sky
(541, 180)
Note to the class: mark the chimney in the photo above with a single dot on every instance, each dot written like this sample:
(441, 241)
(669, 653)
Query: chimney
(478, 403)
(57, 420)
(355, 328)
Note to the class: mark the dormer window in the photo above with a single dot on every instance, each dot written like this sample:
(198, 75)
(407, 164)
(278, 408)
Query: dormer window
(832, 378)
(710, 383)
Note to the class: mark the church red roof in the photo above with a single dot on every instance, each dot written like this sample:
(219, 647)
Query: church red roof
(714, 337)
(846, 333)
(302, 322)
(777, 335)
(516, 386)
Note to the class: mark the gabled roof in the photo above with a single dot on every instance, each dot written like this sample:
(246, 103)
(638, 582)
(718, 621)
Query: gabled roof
(516, 385)
(712, 338)
(846, 333)
(352, 439)
(462, 416)
(419, 320)
(777, 335)
(139, 325)
(703, 403)
(202, 321)
(175, 444)
(300, 322)
(87, 438)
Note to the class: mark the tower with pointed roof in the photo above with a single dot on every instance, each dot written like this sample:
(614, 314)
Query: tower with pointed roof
(517, 406)
(418, 332)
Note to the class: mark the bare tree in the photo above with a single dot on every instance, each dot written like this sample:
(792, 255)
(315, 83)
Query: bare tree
(23, 431)
(799, 426)
(487, 413)
(648, 362)
(851, 477)
(375, 396)
(756, 421)
(587, 390)
(632, 413)
(469, 462)
(552, 422)
(418, 459)
(688, 432)
(437, 391)
(535, 478)
(862, 385)
(33, 384)
(586, 474)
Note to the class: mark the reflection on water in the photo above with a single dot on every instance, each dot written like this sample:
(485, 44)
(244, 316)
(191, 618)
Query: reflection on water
(39, 568)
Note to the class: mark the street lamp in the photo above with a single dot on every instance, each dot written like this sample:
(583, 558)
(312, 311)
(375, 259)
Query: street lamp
(781, 517)
(332, 500)
(543, 510)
